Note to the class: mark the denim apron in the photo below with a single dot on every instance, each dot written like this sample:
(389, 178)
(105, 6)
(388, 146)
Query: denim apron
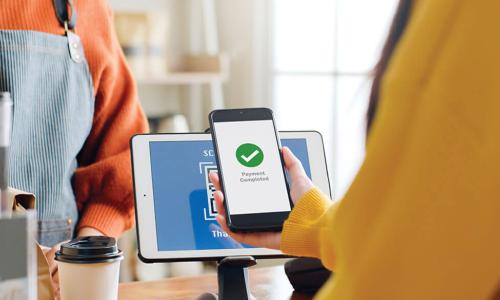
(51, 87)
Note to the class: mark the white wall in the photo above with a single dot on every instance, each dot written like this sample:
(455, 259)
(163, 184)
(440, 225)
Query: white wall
(243, 34)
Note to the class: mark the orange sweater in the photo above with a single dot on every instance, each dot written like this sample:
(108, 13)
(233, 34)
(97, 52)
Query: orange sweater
(102, 183)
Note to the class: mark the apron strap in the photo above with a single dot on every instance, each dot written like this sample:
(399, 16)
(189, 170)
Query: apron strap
(61, 7)
(69, 22)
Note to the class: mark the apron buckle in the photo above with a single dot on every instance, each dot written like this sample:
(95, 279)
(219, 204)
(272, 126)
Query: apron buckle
(66, 27)
(74, 45)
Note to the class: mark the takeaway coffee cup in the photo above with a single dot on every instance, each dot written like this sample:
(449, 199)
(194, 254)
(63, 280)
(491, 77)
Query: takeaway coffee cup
(89, 268)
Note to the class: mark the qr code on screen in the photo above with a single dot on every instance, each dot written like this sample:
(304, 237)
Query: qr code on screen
(211, 212)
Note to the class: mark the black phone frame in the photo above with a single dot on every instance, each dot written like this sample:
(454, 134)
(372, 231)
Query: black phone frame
(258, 221)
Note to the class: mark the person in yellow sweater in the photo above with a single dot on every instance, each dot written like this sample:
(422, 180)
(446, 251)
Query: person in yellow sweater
(422, 218)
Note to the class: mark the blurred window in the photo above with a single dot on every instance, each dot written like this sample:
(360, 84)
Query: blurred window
(322, 55)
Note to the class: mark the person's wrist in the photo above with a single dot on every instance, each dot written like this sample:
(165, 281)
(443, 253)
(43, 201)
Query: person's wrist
(89, 231)
(306, 186)
(300, 189)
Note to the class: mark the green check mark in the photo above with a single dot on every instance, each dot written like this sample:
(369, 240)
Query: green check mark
(249, 155)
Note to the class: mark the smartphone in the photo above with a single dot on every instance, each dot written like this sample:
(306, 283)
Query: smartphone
(251, 169)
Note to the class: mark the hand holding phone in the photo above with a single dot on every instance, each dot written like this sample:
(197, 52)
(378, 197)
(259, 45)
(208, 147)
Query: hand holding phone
(272, 240)
(251, 169)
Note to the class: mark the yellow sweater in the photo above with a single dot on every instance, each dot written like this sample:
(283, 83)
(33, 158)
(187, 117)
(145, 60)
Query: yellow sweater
(422, 218)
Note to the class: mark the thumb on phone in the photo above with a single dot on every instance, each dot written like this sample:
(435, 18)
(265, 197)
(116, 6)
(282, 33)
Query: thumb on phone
(300, 183)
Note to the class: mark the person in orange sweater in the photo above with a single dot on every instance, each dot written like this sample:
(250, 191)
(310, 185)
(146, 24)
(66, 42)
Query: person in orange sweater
(421, 219)
(75, 109)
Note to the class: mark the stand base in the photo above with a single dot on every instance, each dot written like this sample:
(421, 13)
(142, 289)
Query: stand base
(232, 278)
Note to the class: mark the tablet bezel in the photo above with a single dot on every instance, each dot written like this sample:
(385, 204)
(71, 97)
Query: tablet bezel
(143, 189)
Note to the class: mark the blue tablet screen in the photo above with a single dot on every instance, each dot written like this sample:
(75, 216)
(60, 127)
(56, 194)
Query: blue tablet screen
(183, 202)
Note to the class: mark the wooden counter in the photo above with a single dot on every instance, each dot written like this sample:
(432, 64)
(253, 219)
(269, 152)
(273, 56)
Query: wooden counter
(265, 283)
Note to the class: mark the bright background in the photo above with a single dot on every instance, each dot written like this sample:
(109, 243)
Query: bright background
(322, 55)
(310, 60)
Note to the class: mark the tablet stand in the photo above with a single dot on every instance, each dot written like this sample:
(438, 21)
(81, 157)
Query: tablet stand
(232, 278)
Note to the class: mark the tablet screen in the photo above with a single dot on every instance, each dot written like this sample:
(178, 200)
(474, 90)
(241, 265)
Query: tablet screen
(183, 196)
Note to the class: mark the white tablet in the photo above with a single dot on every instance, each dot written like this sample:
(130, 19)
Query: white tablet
(175, 210)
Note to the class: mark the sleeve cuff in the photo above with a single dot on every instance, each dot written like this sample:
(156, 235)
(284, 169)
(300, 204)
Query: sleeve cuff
(300, 234)
(310, 207)
(107, 219)
(300, 240)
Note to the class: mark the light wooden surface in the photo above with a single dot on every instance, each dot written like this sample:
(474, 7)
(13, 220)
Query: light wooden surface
(182, 78)
(192, 69)
(265, 283)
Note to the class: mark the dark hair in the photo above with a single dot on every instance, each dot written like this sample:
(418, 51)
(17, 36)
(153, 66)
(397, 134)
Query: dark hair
(395, 32)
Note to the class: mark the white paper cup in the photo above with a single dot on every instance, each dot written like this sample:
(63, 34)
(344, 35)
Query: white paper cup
(89, 268)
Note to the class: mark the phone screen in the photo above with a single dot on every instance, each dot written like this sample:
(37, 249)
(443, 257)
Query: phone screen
(253, 176)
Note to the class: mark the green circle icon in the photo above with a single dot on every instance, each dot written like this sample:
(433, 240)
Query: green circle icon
(249, 155)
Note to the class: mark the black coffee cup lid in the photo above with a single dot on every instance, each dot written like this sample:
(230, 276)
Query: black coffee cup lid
(89, 250)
